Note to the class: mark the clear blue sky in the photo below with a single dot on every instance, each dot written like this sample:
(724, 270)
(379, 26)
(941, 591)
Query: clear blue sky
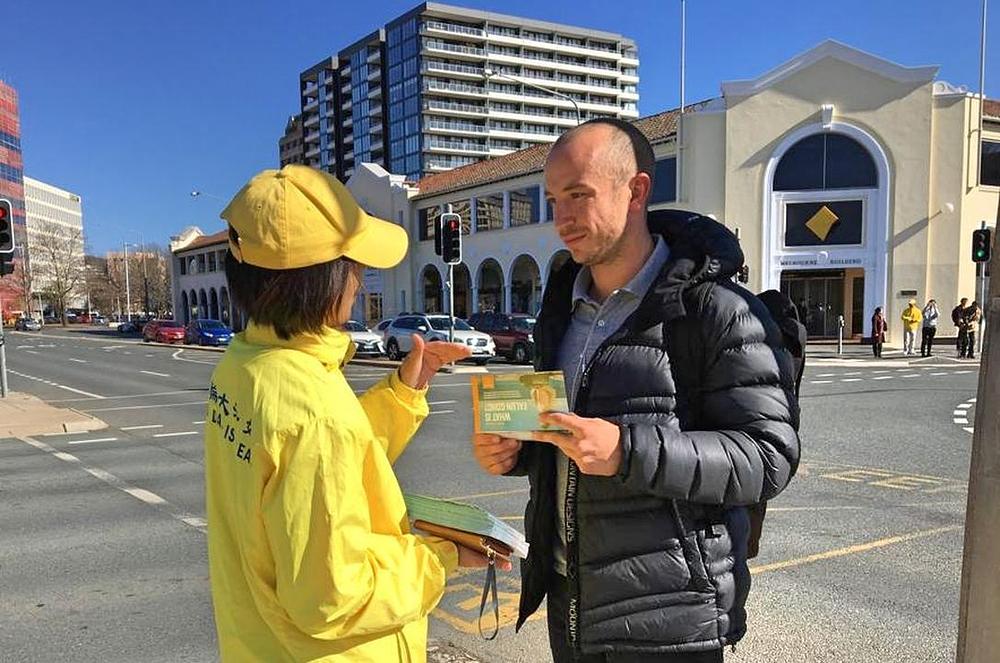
(133, 103)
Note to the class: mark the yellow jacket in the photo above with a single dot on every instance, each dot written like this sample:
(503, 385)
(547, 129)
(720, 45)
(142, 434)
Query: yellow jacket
(309, 548)
(912, 317)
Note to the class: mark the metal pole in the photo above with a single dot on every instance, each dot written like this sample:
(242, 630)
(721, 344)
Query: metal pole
(3, 357)
(451, 303)
(128, 294)
(840, 334)
(680, 115)
(982, 96)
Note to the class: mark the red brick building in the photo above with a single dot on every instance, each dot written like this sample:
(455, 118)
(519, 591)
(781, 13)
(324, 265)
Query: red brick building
(12, 188)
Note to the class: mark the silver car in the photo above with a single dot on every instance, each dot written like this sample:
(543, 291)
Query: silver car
(435, 328)
(366, 342)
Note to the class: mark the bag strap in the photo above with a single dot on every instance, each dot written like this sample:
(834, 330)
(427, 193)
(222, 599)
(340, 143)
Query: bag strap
(490, 586)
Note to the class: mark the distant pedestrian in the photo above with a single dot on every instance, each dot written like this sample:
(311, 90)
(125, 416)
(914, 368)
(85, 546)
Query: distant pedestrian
(956, 317)
(912, 317)
(879, 327)
(970, 320)
(931, 315)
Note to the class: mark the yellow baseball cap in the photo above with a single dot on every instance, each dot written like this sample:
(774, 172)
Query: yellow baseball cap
(300, 216)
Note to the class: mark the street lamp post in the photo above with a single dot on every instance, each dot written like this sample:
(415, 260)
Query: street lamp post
(489, 73)
(128, 293)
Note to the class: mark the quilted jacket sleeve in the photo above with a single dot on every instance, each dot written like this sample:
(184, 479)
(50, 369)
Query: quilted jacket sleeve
(752, 449)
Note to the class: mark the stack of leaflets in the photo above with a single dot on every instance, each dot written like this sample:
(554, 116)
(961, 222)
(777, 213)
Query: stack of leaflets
(508, 404)
(437, 516)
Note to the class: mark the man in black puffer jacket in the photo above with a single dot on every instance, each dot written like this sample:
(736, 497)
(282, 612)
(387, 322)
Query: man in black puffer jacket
(683, 414)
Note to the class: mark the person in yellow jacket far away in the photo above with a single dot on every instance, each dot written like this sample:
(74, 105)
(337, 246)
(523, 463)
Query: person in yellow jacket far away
(912, 319)
(310, 553)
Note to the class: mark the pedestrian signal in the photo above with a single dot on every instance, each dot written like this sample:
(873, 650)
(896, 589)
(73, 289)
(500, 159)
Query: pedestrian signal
(6, 227)
(981, 245)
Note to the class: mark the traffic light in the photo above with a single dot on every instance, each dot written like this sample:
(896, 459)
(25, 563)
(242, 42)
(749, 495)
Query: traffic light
(451, 238)
(981, 245)
(6, 227)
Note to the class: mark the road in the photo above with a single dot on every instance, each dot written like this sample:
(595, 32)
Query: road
(104, 548)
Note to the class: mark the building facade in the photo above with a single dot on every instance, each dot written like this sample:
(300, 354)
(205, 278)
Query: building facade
(291, 148)
(442, 87)
(853, 182)
(198, 278)
(12, 290)
(54, 220)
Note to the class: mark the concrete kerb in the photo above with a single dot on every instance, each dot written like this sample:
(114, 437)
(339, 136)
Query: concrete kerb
(24, 415)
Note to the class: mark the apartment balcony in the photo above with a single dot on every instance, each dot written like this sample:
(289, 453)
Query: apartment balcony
(439, 163)
(311, 105)
(375, 92)
(349, 138)
(311, 121)
(312, 137)
(459, 146)
(349, 121)
(628, 96)
(454, 108)
(460, 128)
(536, 62)
(374, 73)
(455, 89)
(313, 152)
(555, 46)
(374, 56)
(443, 28)
(468, 52)
(458, 70)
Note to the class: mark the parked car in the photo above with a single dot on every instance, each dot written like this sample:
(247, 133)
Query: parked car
(366, 342)
(381, 327)
(99, 320)
(164, 331)
(129, 327)
(27, 324)
(512, 333)
(435, 328)
(208, 332)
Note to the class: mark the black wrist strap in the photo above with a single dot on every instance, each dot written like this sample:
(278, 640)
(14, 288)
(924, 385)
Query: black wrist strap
(488, 587)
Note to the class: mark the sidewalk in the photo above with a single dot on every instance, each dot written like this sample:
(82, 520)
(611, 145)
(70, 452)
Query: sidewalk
(22, 414)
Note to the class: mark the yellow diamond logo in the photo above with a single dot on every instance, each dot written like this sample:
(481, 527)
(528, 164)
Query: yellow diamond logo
(822, 222)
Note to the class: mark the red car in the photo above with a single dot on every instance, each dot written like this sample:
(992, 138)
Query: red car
(164, 331)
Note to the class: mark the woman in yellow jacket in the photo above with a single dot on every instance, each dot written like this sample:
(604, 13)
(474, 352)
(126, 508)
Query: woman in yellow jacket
(310, 554)
(912, 319)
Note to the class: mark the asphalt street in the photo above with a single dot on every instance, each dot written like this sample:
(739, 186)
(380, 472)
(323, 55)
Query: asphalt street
(103, 555)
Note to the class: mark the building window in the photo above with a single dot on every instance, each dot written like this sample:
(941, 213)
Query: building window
(489, 212)
(464, 209)
(374, 313)
(201, 263)
(211, 262)
(524, 207)
(990, 163)
(184, 270)
(428, 222)
(825, 161)
(664, 182)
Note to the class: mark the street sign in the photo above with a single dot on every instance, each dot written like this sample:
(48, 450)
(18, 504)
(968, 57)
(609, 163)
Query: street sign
(451, 238)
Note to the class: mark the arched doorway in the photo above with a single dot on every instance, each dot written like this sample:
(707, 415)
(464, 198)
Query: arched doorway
(491, 286)
(463, 291)
(430, 286)
(202, 304)
(193, 304)
(525, 285)
(224, 305)
(185, 311)
(826, 226)
(213, 298)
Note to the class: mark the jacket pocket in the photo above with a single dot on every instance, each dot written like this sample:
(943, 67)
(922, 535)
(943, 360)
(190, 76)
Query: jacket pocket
(691, 546)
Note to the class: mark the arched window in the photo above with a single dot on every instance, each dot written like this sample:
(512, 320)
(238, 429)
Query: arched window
(825, 161)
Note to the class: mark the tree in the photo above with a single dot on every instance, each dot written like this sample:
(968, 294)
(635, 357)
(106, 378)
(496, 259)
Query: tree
(57, 264)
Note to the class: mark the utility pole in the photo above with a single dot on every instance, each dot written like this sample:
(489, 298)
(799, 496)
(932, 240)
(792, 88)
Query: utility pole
(679, 137)
(979, 602)
(128, 293)
(145, 278)
(3, 357)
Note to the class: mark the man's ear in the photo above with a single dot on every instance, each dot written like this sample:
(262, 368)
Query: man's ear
(640, 187)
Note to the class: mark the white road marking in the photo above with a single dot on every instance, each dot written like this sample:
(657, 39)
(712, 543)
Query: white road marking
(443, 412)
(826, 375)
(159, 375)
(962, 372)
(852, 380)
(155, 393)
(962, 421)
(884, 377)
(111, 347)
(853, 373)
(32, 352)
(911, 375)
(969, 429)
(141, 427)
(103, 439)
(965, 406)
(959, 413)
(190, 432)
(54, 384)
(79, 361)
(441, 402)
(177, 356)
(938, 374)
(821, 382)
(144, 407)
(198, 422)
(882, 371)
(139, 493)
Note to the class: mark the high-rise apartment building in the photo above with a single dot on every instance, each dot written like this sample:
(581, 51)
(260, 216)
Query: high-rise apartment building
(444, 86)
(290, 146)
(12, 188)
